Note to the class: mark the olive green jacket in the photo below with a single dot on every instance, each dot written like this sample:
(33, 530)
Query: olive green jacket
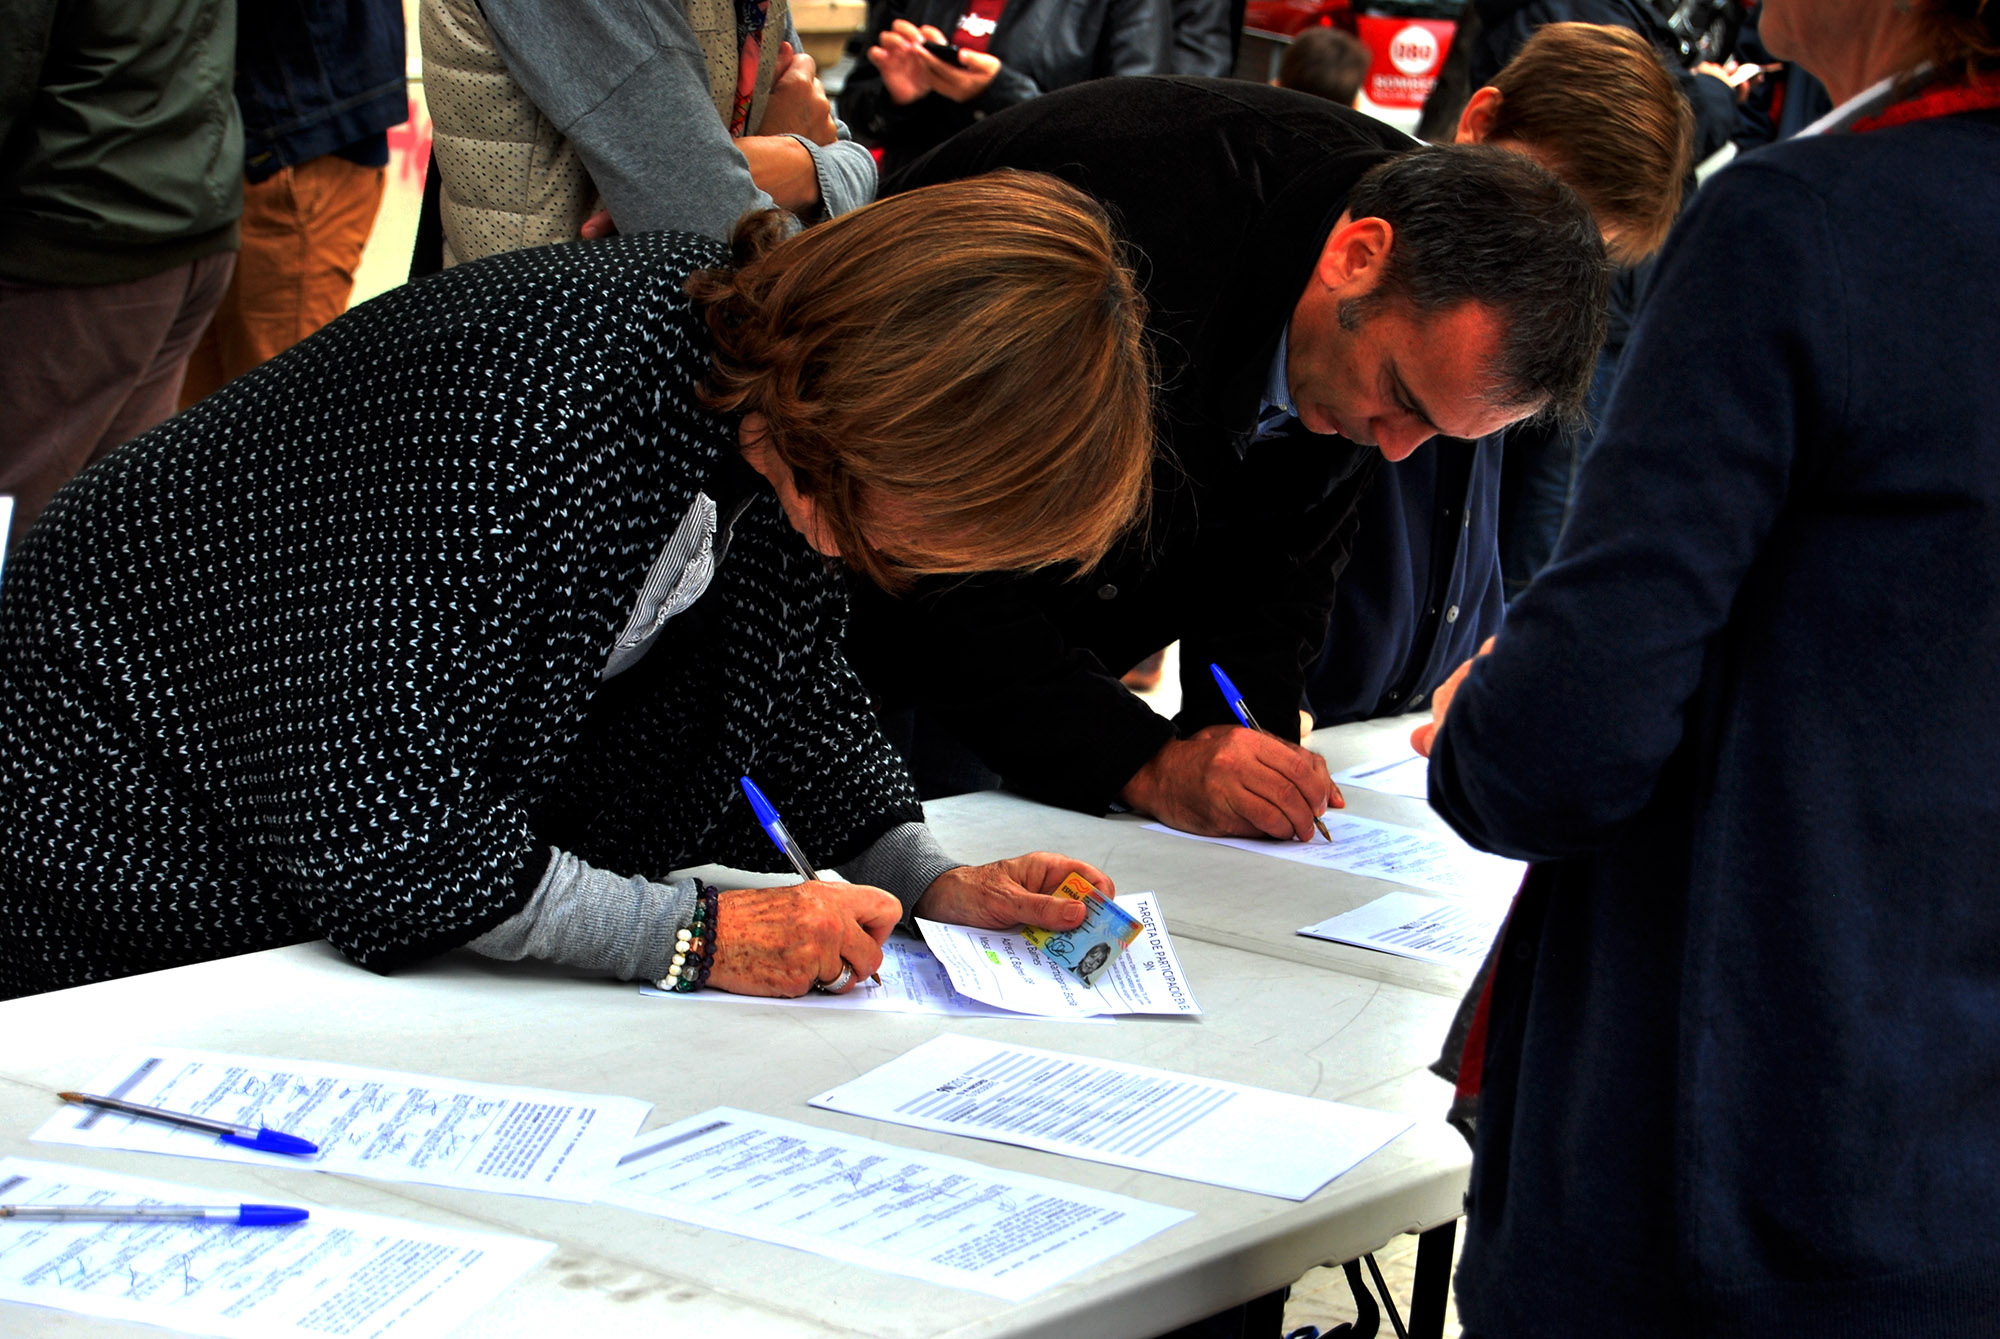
(121, 152)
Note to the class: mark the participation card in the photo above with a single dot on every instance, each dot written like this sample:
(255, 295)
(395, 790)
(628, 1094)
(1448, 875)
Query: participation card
(1088, 950)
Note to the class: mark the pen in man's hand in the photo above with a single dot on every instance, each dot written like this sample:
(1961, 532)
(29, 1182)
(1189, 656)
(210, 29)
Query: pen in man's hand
(243, 1215)
(242, 1136)
(1249, 722)
(774, 827)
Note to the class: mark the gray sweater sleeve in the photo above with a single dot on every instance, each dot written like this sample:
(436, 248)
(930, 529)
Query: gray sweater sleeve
(903, 862)
(582, 916)
(625, 81)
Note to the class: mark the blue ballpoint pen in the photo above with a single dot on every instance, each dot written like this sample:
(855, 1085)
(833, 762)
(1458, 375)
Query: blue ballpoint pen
(1249, 722)
(242, 1136)
(774, 827)
(242, 1215)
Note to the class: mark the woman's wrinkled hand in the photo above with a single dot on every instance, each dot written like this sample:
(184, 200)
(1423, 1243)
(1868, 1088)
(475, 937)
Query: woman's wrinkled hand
(1008, 893)
(1424, 736)
(783, 941)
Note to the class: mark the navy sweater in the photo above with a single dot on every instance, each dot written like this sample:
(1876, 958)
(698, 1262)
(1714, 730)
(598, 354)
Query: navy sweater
(1422, 587)
(1745, 1033)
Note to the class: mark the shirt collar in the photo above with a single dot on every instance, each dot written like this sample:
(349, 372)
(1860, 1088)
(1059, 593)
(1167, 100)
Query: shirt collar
(1865, 103)
(1278, 391)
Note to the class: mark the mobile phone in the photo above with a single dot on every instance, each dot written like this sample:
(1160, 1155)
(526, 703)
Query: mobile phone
(946, 52)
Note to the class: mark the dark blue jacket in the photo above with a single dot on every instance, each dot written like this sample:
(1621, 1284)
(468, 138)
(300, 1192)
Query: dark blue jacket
(1745, 1029)
(316, 76)
(1422, 587)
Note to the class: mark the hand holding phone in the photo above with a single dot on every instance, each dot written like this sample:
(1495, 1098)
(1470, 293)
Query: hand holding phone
(946, 52)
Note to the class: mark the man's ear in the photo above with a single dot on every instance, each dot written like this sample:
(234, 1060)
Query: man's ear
(1475, 123)
(1355, 254)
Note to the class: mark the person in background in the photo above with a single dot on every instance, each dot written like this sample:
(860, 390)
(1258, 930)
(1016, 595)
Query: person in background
(1325, 62)
(903, 98)
(318, 83)
(1542, 459)
(1323, 296)
(121, 179)
(1741, 1030)
(1206, 35)
(1423, 586)
(457, 623)
(667, 114)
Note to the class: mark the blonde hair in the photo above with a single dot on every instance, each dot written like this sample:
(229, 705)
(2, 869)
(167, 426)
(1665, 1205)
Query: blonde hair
(1599, 107)
(972, 354)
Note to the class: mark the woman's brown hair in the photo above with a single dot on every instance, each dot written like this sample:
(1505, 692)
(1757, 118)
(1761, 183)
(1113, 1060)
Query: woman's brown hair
(970, 354)
(1599, 108)
(1963, 35)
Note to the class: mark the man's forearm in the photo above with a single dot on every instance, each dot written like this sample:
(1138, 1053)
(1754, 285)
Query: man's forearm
(783, 169)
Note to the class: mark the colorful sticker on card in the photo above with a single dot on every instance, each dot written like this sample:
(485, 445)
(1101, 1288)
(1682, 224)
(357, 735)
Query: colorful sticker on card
(1106, 932)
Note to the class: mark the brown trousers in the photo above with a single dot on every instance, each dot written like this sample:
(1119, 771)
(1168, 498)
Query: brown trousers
(304, 229)
(84, 367)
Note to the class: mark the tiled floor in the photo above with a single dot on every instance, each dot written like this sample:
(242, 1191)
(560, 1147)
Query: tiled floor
(1321, 1298)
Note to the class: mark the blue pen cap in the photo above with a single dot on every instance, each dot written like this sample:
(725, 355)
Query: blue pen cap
(269, 1215)
(766, 815)
(271, 1141)
(1229, 693)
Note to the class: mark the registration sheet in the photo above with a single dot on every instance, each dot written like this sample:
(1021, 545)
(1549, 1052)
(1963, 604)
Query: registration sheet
(1005, 970)
(1410, 925)
(1427, 860)
(1408, 775)
(367, 1122)
(338, 1273)
(931, 1217)
(1226, 1134)
(913, 982)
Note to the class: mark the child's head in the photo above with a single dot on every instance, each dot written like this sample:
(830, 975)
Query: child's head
(1326, 63)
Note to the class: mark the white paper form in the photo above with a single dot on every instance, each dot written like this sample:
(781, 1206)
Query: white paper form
(367, 1122)
(1227, 1134)
(1409, 925)
(1003, 969)
(1439, 864)
(1408, 776)
(338, 1273)
(931, 1217)
(913, 982)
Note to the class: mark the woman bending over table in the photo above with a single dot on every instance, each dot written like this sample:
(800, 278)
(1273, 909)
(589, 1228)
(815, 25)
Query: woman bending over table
(458, 623)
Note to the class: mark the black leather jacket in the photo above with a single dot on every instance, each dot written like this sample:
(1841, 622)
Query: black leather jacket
(1042, 45)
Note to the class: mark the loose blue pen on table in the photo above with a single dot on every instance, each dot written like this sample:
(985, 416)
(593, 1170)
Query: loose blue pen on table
(1249, 722)
(242, 1136)
(242, 1215)
(774, 827)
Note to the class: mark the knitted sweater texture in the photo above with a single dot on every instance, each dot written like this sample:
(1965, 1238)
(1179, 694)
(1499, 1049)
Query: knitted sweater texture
(320, 657)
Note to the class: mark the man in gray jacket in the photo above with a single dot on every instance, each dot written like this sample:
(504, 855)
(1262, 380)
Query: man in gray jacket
(680, 114)
(121, 179)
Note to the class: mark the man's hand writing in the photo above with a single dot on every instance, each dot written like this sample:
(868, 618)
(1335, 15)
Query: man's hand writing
(1230, 782)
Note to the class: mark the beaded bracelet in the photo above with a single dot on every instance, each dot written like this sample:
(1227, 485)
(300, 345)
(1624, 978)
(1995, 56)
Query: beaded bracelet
(694, 946)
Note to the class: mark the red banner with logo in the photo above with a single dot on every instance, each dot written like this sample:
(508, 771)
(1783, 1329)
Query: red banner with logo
(1407, 55)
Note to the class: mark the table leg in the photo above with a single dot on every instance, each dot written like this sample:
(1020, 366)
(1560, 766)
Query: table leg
(1433, 1282)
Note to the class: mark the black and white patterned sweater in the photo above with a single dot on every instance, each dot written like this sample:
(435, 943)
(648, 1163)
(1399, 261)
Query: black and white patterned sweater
(320, 656)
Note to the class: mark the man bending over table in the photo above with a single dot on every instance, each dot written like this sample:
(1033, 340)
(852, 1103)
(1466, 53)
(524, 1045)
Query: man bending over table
(1321, 297)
